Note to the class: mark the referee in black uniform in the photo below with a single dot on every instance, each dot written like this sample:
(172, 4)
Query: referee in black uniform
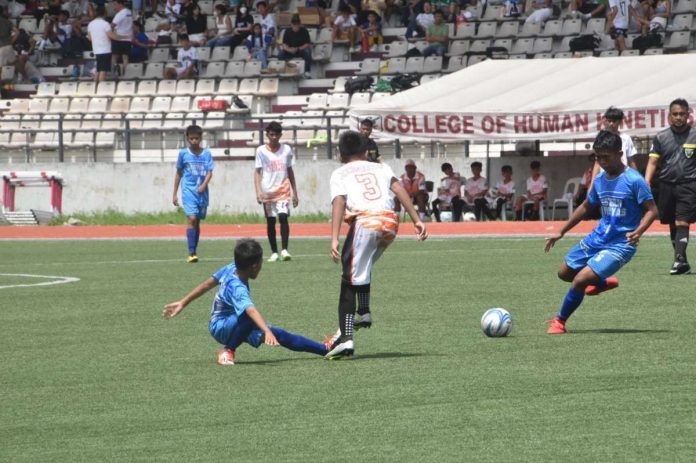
(674, 151)
(372, 149)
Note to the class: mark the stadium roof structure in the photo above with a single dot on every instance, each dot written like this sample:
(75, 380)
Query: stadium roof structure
(537, 99)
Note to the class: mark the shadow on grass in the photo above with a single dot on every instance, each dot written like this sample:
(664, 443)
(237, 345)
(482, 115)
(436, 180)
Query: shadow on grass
(378, 355)
(619, 331)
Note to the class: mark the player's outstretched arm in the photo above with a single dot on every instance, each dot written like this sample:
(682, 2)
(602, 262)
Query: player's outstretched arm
(405, 200)
(338, 209)
(649, 216)
(574, 219)
(268, 337)
(172, 309)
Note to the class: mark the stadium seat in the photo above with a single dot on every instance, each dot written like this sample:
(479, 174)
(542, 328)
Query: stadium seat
(79, 105)
(396, 66)
(86, 88)
(369, 66)
(268, 87)
(248, 86)
(195, 118)
(567, 199)
(152, 120)
(609, 53)
(543, 56)
(630, 53)
(134, 120)
(458, 47)
(106, 88)
(337, 101)
(360, 98)
(59, 105)
(147, 87)
(428, 78)
(552, 28)
(120, 104)
(564, 46)
(503, 43)
(684, 6)
(596, 26)
(38, 106)
(312, 120)
(85, 139)
(681, 22)
(181, 104)
(204, 54)
(154, 71)
(479, 46)
(252, 68)
(678, 42)
(420, 45)
(45, 89)
(530, 30)
(159, 55)
(140, 104)
(523, 46)
(161, 104)
(518, 56)
(322, 52)
(508, 29)
(486, 30)
(97, 105)
(206, 7)
(338, 119)
(203, 87)
(29, 25)
(215, 69)
(324, 35)
(432, 64)
(317, 101)
(67, 89)
(455, 63)
(220, 54)
(187, 87)
(234, 69)
(474, 59)
(125, 88)
(241, 53)
(7, 73)
(465, 31)
(414, 64)
(166, 87)
(542, 45)
(72, 121)
(571, 27)
(493, 13)
(133, 71)
(228, 87)
(396, 49)
(47, 139)
(175, 121)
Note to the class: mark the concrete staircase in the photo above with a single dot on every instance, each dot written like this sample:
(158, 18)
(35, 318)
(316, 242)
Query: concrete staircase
(19, 218)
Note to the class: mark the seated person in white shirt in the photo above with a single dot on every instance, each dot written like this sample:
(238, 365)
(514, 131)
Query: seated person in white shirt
(449, 194)
(537, 188)
(503, 192)
(187, 61)
(475, 192)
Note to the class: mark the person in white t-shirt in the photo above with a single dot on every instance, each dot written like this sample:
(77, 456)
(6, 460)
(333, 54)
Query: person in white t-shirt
(617, 21)
(362, 194)
(345, 27)
(268, 24)
(99, 32)
(613, 118)
(475, 191)
(186, 61)
(423, 21)
(537, 188)
(274, 180)
(122, 25)
(503, 192)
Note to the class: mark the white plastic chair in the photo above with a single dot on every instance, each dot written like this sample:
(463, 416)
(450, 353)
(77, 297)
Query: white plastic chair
(567, 199)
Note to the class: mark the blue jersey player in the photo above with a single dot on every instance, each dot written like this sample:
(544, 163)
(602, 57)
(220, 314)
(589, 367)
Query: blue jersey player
(194, 169)
(234, 318)
(627, 208)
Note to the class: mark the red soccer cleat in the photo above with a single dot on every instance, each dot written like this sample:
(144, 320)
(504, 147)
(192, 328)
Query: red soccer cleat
(592, 290)
(556, 326)
(225, 357)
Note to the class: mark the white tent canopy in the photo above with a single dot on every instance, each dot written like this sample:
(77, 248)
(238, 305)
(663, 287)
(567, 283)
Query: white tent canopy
(537, 99)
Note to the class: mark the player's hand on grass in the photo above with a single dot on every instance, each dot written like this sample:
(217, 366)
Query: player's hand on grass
(269, 339)
(175, 200)
(633, 238)
(551, 240)
(421, 232)
(173, 309)
(335, 253)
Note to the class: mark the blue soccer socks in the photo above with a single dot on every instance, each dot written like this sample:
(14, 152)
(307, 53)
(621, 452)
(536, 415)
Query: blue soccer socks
(571, 302)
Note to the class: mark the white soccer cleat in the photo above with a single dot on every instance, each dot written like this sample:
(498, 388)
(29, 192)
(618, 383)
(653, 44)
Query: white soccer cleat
(285, 255)
(274, 257)
(342, 349)
(362, 321)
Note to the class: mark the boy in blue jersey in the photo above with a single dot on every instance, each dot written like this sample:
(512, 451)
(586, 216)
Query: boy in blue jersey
(195, 167)
(627, 208)
(234, 318)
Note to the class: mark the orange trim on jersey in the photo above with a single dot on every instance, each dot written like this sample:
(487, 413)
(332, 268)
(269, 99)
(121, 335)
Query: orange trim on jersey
(281, 193)
(384, 222)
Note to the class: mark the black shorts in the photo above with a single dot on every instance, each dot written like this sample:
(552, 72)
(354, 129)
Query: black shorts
(677, 202)
(103, 62)
(615, 33)
(120, 48)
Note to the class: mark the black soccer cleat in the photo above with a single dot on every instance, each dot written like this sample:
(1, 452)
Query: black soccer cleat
(680, 268)
(362, 321)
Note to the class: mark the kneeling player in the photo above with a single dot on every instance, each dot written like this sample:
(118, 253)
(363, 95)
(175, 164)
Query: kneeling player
(624, 197)
(364, 192)
(234, 318)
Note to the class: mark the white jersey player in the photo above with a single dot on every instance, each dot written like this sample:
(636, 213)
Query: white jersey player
(362, 194)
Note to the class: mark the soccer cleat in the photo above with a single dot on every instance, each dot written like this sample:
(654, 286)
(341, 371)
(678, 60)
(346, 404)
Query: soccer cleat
(273, 258)
(225, 357)
(556, 326)
(680, 268)
(362, 321)
(285, 255)
(192, 259)
(342, 349)
(592, 290)
(329, 341)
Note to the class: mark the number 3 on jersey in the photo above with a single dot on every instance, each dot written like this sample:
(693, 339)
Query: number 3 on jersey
(371, 186)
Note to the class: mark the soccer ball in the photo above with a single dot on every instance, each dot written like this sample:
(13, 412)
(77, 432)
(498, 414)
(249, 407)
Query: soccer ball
(469, 217)
(496, 323)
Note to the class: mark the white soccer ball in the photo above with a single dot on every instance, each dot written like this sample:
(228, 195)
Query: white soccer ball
(469, 217)
(496, 322)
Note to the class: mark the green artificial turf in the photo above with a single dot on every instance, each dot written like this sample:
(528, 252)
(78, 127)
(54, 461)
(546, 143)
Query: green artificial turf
(90, 372)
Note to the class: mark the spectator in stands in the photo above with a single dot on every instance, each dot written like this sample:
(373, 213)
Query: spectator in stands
(449, 193)
(172, 10)
(122, 25)
(77, 44)
(242, 25)
(423, 21)
(617, 22)
(585, 183)
(141, 43)
(268, 24)
(537, 188)
(355, 7)
(378, 6)
(660, 14)
(54, 32)
(258, 43)
(224, 32)
(475, 192)
(410, 11)
(366, 126)
(8, 31)
(437, 36)
(297, 44)
(186, 61)
(639, 24)
(539, 11)
(187, 7)
(28, 70)
(345, 27)
(371, 32)
(197, 27)
(588, 9)
(503, 192)
(414, 184)
(100, 34)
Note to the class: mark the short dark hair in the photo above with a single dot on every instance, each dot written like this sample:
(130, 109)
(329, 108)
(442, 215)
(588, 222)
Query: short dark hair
(343, 9)
(369, 122)
(274, 126)
(100, 11)
(607, 141)
(194, 130)
(614, 114)
(183, 37)
(247, 252)
(440, 12)
(261, 3)
(64, 13)
(476, 164)
(535, 165)
(445, 166)
(221, 8)
(295, 19)
(351, 144)
(679, 102)
(120, 2)
(506, 168)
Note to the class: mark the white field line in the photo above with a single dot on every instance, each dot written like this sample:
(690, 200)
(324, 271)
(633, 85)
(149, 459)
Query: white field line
(57, 280)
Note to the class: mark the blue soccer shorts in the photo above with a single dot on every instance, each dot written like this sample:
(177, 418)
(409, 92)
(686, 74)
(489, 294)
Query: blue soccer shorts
(604, 259)
(195, 206)
(232, 331)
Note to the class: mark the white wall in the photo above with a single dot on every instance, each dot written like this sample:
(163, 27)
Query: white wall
(147, 187)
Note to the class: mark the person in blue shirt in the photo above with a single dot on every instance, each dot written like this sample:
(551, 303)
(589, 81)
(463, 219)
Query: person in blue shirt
(234, 318)
(627, 208)
(194, 169)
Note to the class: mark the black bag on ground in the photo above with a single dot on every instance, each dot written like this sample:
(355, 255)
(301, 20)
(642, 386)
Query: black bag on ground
(358, 84)
(584, 43)
(401, 82)
(643, 42)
